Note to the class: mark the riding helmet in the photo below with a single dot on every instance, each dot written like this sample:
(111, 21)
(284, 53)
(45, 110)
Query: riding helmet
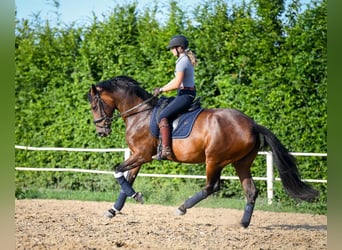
(178, 40)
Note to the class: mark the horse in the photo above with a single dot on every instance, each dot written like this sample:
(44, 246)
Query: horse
(219, 137)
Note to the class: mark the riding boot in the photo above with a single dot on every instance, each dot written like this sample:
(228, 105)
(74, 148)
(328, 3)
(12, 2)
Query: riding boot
(166, 139)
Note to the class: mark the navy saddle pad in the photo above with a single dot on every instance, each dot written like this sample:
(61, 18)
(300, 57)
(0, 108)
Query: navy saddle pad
(181, 126)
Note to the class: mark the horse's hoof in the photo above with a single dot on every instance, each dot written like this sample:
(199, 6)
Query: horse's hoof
(110, 213)
(181, 210)
(244, 224)
(139, 197)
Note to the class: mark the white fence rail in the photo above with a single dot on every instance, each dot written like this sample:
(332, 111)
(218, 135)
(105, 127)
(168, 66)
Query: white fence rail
(269, 162)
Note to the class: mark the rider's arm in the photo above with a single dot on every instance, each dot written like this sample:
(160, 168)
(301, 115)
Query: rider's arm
(174, 83)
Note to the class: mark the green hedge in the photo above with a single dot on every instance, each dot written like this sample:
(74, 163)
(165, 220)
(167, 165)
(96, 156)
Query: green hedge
(264, 58)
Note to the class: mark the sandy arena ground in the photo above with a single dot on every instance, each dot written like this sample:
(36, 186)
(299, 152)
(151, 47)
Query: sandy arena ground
(52, 224)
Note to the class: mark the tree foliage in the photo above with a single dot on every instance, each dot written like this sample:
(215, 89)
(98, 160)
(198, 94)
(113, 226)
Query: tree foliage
(264, 58)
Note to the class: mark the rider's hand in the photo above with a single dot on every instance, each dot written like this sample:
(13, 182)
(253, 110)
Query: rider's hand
(157, 91)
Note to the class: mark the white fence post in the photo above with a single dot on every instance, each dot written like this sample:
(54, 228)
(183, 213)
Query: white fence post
(127, 153)
(270, 177)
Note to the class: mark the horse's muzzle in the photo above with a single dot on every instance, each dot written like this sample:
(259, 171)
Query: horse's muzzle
(103, 132)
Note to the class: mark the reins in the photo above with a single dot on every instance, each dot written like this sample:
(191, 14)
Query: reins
(110, 119)
(135, 107)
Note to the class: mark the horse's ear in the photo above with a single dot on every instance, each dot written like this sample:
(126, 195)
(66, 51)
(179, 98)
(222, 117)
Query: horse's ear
(93, 90)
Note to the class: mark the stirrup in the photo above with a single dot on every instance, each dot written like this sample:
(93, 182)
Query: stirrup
(165, 153)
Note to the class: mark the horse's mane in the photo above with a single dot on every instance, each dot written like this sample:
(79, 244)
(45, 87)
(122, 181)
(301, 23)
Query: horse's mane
(128, 84)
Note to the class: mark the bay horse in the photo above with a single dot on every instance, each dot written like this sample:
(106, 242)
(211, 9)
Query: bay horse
(219, 137)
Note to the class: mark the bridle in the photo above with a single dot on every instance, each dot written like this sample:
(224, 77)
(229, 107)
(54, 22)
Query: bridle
(108, 120)
(104, 117)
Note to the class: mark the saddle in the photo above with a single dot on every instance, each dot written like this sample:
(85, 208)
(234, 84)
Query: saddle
(182, 125)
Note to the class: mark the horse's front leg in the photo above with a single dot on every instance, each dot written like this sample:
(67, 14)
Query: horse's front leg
(131, 166)
(134, 161)
(121, 200)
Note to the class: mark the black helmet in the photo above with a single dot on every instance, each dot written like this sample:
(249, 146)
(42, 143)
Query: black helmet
(178, 40)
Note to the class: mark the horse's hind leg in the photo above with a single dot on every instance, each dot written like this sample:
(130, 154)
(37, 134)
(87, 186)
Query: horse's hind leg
(213, 185)
(242, 168)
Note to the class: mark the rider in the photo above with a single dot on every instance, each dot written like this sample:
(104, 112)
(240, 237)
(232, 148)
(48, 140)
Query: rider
(184, 82)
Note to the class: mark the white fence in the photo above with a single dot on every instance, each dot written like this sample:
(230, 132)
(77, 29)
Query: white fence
(269, 162)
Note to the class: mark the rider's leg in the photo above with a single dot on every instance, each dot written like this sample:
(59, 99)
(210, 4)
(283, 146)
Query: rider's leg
(178, 105)
(165, 138)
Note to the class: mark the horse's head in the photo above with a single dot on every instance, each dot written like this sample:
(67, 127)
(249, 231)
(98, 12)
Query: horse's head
(102, 110)
(122, 93)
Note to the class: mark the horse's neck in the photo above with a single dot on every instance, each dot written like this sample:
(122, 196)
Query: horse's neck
(136, 111)
(125, 105)
(140, 120)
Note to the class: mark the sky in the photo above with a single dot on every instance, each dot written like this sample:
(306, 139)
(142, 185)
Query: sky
(80, 11)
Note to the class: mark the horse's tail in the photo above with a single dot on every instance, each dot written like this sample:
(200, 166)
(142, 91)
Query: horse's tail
(287, 167)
